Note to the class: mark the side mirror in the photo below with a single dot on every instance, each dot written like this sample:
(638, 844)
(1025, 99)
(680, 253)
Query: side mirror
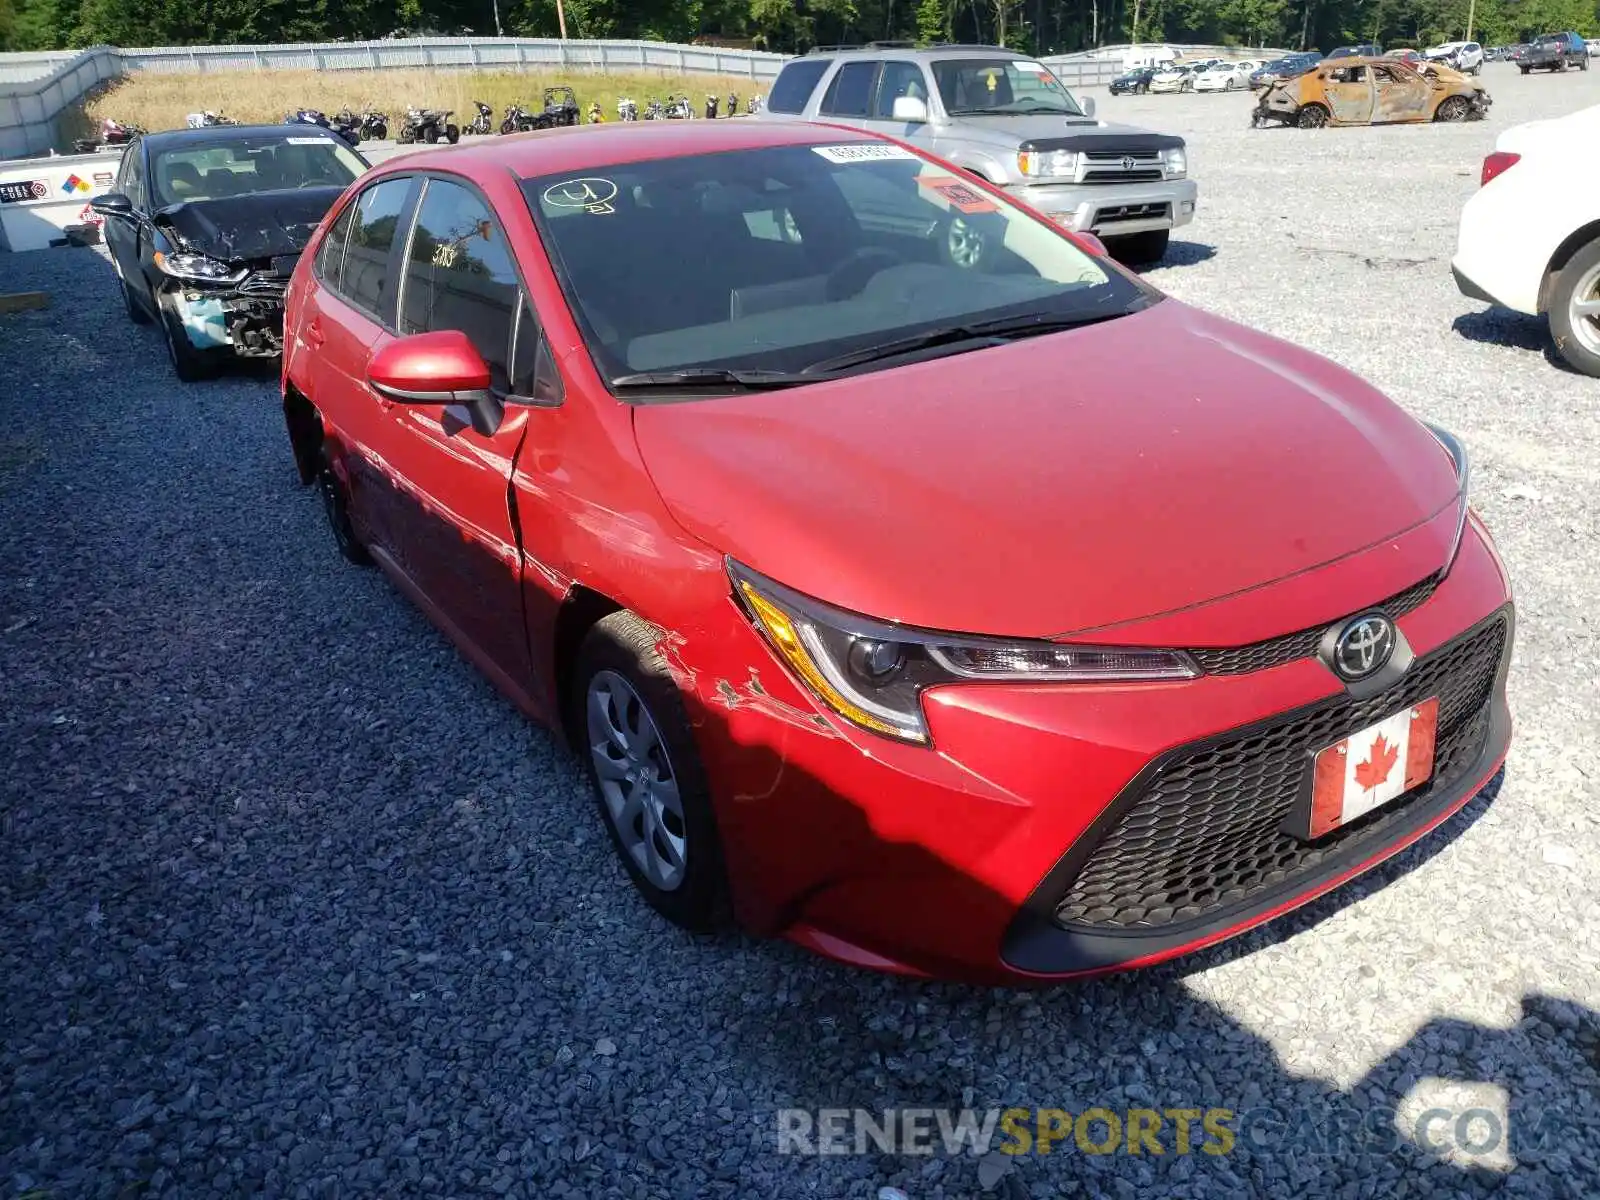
(910, 110)
(1092, 244)
(112, 204)
(1087, 104)
(443, 368)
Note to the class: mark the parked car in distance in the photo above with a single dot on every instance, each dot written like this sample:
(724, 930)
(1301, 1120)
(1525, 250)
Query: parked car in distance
(1594, 47)
(1284, 68)
(1555, 52)
(1371, 91)
(1529, 238)
(1010, 121)
(823, 651)
(1225, 77)
(1408, 56)
(1173, 78)
(204, 227)
(1466, 57)
(1132, 82)
(1364, 50)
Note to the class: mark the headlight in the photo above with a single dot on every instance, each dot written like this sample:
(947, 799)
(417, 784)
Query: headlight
(1458, 456)
(873, 674)
(1176, 162)
(197, 267)
(1037, 164)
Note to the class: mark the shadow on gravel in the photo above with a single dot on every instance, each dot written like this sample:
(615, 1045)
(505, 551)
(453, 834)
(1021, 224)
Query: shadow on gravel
(1514, 330)
(1181, 254)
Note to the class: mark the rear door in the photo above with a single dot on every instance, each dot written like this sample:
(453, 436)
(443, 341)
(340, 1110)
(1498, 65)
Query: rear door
(1349, 93)
(849, 95)
(452, 518)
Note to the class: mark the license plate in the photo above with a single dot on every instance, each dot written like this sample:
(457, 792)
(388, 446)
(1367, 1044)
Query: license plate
(1370, 768)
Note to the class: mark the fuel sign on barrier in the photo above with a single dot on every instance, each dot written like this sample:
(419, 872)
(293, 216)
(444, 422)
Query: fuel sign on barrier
(41, 199)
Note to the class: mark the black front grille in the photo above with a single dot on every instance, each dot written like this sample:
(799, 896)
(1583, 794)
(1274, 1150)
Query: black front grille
(1131, 212)
(1274, 652)
(1118, 175)
(1204, 832)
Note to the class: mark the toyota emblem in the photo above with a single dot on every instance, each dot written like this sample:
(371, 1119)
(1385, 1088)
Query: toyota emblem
(1363, 646)
(1129, 162)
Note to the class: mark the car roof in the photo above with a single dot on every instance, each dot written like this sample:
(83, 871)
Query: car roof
(581, 147)
(906, 50)
(214, 134)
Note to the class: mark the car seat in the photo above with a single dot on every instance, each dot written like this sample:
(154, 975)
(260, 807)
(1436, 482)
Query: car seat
(179, 181)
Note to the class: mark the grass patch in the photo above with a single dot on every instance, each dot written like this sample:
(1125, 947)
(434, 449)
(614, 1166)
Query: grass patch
(161, 101)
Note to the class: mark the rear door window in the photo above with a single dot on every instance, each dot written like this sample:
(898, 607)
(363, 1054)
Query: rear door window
(850, 93)
(795, 83)
(330, 255)
(364, 278)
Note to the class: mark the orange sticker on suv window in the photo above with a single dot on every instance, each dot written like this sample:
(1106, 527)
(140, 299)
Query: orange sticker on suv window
(962, 196)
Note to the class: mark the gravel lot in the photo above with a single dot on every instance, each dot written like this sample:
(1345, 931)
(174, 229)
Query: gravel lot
(295, 905)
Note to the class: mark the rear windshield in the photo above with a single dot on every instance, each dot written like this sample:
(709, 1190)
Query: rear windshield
(780, 257)
(267, 162)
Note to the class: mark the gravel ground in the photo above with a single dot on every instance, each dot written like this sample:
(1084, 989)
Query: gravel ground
(295, 905)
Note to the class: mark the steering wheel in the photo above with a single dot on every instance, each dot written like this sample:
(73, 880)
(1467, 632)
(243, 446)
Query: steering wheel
(859, 266)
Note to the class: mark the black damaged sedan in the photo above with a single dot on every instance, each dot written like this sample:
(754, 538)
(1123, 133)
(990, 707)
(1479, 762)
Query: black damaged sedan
(204, 227)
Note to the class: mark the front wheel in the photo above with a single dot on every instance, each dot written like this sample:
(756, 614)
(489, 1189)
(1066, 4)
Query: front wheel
(628, 720)
(189, 364)
(1312, 116)
(452, 134)
(407, 136)
(1452, 108)
(378, 132)
(1575, 310)
(1227, 86)
(1140, 249)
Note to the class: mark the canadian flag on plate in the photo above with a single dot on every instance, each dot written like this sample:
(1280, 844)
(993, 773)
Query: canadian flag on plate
(1370, 768)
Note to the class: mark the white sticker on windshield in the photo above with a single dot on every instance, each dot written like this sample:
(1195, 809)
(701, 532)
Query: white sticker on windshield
(862, 152)
(307, 141)
(1023, 65)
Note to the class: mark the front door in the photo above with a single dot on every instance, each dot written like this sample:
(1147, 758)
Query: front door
(1349, 92)
(1399, 95)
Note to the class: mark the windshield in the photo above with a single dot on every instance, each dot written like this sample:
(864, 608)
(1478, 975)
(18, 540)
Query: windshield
(1001, 87)
(241, 165)
(799, 254)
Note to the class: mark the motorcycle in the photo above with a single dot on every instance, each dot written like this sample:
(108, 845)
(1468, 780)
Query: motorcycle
(112, 133)
(754, 105)
(678, 108)
(347, 125)
(596, 117)
(428, 125)
(207, 119)
(627, 110)
(560, 107)
(654, 112)
(712, 103)
(373, 126)
(518, 119)
(483, 122)
(733, 104)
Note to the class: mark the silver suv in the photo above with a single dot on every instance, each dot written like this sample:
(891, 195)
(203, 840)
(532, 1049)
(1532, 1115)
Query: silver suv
(1005, 117)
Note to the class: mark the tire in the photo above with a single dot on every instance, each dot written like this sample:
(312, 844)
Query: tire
(1577, 333)
(1525, 70)
(336, 507)
(407, 136)
(1312, 116)
(136, 313)
(379, 132)
(188, 364)
(1227, 85)
(508, 126)
(623, 698)
(1140, 249)
(452, 134)
(1452, 108)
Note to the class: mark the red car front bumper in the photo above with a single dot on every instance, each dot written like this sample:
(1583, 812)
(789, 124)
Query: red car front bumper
(1057, 831)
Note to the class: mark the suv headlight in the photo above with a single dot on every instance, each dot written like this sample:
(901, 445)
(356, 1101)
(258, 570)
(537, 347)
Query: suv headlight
(1458, 456)
(1176, 162)
(197, 267)
(873, 674)
(1047, 164)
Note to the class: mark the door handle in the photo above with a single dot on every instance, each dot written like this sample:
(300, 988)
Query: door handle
(314, 332)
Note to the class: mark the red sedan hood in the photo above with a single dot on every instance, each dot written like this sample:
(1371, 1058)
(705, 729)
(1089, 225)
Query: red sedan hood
(1054, 485)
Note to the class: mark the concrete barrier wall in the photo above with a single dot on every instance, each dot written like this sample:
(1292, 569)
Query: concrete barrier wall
(29, 107)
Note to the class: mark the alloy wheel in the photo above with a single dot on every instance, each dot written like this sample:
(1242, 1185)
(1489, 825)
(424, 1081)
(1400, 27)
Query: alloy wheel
(965, 244)
(637, 781)
(1585, 310)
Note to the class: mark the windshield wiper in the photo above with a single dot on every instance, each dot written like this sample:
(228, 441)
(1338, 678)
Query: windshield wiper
(978, 335)
(713, 377)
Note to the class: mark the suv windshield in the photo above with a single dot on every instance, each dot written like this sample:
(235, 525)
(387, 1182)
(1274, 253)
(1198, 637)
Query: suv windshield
(1001, 87)
(783, 258)
(243, 164)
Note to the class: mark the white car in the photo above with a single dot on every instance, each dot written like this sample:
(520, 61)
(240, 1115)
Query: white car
(1225, 77)
(1463, 56)
(1530, 236)
(1172, 79)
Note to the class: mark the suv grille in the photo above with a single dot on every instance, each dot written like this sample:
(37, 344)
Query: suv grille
(1113, 213)
(1204, 833)
(1274, 652)
(1118, 166)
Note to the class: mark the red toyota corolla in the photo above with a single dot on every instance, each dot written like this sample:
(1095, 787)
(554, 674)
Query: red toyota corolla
(908, 576)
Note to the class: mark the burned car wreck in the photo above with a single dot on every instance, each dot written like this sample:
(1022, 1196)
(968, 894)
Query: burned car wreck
(1371, 91)
(204, 228)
